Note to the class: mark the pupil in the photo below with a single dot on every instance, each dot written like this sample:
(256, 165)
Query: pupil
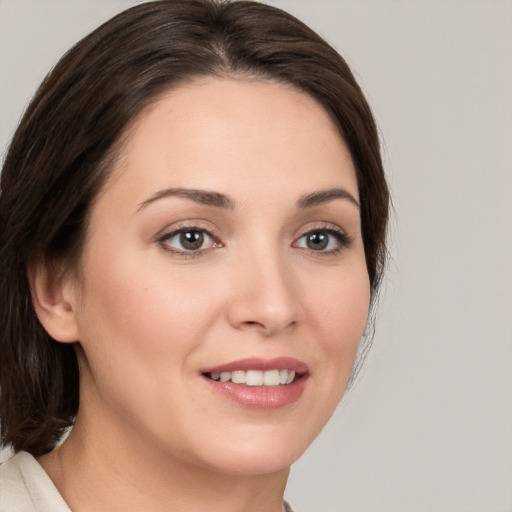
(192, 240)
(317, 241)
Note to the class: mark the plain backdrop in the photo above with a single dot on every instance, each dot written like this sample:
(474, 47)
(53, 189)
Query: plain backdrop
(427, 426)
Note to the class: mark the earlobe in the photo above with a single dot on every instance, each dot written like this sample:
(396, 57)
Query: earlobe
(52, 302)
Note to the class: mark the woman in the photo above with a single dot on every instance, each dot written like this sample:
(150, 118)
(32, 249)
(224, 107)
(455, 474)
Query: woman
(193, 220)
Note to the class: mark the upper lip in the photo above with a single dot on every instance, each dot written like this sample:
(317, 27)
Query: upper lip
(262, 364)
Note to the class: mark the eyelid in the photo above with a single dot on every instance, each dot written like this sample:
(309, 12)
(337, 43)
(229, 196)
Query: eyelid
(343, 239)
(319, 226)
(181, 227)
(192, 224)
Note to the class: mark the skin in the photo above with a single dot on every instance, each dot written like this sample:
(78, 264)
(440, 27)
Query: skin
(150, 434)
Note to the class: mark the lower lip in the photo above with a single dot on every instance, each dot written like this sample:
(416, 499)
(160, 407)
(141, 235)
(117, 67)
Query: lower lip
(260, 397)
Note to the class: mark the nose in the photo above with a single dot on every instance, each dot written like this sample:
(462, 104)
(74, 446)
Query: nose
(264, 295)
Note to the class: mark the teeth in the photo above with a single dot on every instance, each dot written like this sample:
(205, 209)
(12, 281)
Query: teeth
(238, 377)
(271, 378)
(291, 376)
(256, 377)
(253, 378)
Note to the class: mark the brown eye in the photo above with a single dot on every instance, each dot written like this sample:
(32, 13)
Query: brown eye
(191, 240)
(317, 241)
(188, 240)
(325, 241)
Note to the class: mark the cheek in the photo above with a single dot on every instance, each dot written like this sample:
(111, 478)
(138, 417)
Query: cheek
(341, 304)
(138, 327)
(144, 307)
(340, 311)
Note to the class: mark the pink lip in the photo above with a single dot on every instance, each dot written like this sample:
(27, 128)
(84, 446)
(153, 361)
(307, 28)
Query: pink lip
(262, 364)
(260, 397)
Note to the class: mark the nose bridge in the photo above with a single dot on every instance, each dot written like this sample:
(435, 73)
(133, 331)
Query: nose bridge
(265, 296)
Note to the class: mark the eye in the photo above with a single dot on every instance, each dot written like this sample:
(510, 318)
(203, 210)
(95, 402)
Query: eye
(323, 240)
(188, 240)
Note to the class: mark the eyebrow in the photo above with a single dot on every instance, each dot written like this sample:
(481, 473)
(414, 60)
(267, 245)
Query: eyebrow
(199, 196)
(218, 200)
(324, 196)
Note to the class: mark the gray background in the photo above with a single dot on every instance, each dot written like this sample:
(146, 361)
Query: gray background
(428, 425)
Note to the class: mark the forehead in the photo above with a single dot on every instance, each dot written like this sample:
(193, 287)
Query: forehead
(236, 137)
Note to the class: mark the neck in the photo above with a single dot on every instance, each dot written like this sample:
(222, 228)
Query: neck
(119, 472)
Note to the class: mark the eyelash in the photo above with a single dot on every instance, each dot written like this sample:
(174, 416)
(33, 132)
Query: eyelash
(187, 229)
(343, 240)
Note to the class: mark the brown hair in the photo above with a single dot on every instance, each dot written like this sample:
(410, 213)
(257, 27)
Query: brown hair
(64, 146)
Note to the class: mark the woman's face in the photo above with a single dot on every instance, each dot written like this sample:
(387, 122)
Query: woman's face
(226, 246)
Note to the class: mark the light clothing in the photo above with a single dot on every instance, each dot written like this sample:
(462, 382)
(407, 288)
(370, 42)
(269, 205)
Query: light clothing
(26, 487)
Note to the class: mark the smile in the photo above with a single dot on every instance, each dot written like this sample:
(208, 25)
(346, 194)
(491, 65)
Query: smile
(258, 383)
(255, 377)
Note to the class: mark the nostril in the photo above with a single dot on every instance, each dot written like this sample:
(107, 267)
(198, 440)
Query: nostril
(253, 323)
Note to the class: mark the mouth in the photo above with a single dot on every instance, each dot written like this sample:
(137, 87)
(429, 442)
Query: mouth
(270, 378)
(259, 383)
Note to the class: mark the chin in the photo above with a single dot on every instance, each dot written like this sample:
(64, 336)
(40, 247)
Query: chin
(240, 462)
(257, 453)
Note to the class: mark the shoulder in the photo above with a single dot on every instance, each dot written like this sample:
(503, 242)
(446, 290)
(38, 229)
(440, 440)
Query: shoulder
(13, 489)
(25, 487)
(287, 507)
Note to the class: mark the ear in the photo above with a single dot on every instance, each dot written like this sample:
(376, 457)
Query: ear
(53, 298)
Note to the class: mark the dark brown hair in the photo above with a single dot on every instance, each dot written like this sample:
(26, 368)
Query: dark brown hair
(64, 146)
